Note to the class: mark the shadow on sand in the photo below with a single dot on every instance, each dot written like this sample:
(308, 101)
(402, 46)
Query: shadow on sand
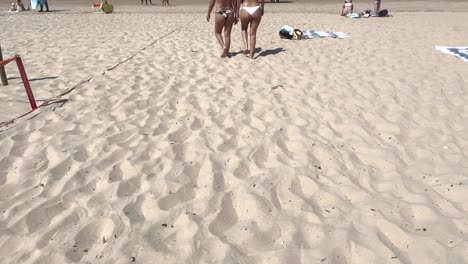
(260, 52)
(43, 78)
(51, 11)
(269, 52)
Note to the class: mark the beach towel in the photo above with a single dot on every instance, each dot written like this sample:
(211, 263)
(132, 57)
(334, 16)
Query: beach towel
(288, 32)
(324, 34)
(460, 52)
(353, 15)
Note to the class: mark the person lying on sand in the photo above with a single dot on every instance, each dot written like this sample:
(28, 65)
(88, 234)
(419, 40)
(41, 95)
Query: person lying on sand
(225, 16)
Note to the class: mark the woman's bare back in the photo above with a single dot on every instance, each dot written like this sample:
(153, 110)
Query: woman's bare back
(225, 4)
(251, 3)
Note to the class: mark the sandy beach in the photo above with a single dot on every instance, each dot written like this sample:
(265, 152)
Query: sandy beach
(153, 149)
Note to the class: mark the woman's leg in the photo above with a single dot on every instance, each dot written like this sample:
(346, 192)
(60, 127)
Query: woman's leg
(245, 21)
(219, 25)
(227, 34)
(376, 6)
(256, 18)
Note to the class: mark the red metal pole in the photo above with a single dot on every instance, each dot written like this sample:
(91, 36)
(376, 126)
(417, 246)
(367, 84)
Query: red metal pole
(19, 62)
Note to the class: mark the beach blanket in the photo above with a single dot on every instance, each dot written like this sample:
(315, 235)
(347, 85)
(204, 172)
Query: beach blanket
(353, 15)
(324, 34)
(289, 32)
(460, 52)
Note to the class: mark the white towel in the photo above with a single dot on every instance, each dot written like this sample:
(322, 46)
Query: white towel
(460, 52)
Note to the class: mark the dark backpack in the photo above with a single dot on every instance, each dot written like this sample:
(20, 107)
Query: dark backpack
(284, 34)
(383, 13)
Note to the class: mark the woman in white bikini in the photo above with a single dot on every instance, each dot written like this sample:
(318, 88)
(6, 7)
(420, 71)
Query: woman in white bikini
(225, 18)
(251, 12)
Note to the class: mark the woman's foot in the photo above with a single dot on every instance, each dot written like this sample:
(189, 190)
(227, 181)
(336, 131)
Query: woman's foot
(225, 53)
(246, 52)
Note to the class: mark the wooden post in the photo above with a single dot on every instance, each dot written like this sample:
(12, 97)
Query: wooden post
(2, 70)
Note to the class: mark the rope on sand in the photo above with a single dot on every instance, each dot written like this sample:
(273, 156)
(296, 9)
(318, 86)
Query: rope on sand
(54, 99)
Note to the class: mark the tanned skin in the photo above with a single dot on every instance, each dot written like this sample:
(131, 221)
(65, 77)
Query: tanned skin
(223, 23)
(253, 20)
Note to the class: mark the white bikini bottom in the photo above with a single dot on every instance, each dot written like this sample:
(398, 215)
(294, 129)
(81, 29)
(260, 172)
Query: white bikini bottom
(250, 9)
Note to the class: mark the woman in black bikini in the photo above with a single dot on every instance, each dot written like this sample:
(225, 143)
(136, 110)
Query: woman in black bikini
(251, 12)
(224, 19)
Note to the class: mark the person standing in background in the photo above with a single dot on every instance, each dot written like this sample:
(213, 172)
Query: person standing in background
(376, 6)
(347, 7)
(42, 3)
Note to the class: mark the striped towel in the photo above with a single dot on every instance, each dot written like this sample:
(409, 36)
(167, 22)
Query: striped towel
(324, 34)
(460, 52)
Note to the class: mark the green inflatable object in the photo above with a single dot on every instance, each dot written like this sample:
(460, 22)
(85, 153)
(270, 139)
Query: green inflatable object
(107, 8)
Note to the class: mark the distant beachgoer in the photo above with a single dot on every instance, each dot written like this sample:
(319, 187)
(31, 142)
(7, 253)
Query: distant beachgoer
(226, 16)
(376, 6)
(13, 7)
(43, 2)
(365, 14)
(165, 2)
(251, 12)
(19, 6)
(347, 7)
(146, 1)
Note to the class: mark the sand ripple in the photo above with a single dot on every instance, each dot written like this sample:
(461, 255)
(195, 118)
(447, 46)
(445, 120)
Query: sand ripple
(319, 151)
